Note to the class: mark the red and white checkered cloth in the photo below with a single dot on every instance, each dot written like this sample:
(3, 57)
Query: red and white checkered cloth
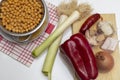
(22, 53)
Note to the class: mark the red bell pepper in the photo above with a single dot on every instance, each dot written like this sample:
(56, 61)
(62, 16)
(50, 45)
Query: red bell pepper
(70, 49)
(81, 55)
(87, 54)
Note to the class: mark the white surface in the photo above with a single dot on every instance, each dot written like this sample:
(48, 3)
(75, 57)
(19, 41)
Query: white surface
(13, 70)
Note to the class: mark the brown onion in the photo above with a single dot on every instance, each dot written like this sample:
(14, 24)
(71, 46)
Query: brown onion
(105, 61)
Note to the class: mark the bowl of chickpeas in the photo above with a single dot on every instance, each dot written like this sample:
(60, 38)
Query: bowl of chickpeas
(22, 17)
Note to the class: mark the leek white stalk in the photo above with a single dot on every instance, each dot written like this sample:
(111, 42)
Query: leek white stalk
(52, 51)
(72, 18)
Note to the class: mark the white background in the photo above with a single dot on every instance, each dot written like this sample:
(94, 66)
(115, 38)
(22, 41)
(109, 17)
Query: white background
(13, 70)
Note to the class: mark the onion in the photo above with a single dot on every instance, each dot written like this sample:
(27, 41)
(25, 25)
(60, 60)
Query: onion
(105, 61)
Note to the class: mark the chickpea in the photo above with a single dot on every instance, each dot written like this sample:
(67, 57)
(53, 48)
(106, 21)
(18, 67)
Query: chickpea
(4, 3)
(21, 15)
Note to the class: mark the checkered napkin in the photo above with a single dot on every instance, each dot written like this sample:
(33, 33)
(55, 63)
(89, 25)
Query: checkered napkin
(22, 53)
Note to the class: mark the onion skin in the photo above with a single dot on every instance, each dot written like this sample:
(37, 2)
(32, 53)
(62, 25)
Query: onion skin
(105, 61)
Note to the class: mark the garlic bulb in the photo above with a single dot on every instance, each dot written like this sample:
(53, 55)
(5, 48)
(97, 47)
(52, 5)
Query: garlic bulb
(106, 27)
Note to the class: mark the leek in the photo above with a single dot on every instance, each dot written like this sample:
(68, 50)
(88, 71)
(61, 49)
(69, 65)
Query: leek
(52, 51)
(38, 50)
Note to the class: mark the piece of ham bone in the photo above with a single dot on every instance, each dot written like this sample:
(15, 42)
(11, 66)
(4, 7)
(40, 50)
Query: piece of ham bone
(110, 44)
(91, 39)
